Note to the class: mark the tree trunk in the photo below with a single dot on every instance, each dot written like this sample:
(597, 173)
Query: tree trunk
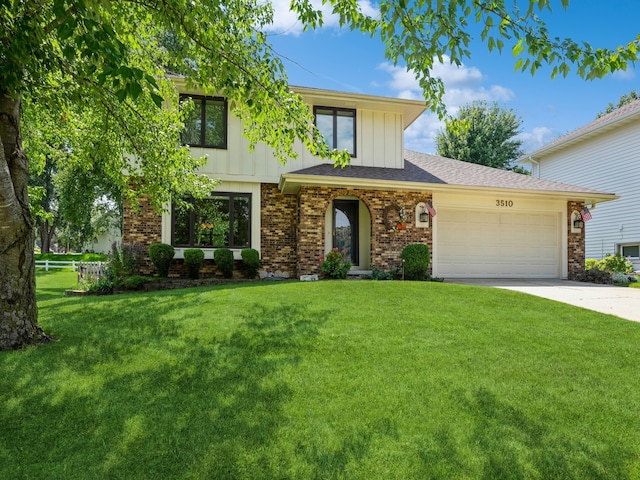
(46, 233)
(18, 309)
(45, 244)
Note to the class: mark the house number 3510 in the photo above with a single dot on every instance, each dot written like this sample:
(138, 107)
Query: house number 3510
(504, 203)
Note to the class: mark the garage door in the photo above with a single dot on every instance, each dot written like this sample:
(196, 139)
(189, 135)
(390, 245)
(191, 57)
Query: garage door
(493, 244)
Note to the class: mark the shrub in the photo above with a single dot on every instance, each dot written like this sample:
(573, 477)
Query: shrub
(616, 263)
(334, 264)
(126, 260)
(161, 255)
(193, 258)
(251, 258)
(97, 285)
(393, 274)
(224, 261)
(590, 263)
(415, 259)
(134, 282)
(594, 275)
(620, 278)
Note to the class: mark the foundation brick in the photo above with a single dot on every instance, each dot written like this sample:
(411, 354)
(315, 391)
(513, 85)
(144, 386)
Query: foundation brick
(575, 244)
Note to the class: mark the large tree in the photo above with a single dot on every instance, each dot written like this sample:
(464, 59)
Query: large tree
(481, 133)
(105, 55)
(71, 193)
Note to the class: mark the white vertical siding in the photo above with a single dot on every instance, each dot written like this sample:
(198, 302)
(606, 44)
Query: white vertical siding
(609, 162)
(379, 144)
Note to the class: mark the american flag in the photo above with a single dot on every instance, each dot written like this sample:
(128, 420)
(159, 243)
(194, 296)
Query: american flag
(585, 214)
(430, 209)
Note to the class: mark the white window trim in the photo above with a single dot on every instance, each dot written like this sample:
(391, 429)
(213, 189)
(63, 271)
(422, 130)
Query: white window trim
(619, 247)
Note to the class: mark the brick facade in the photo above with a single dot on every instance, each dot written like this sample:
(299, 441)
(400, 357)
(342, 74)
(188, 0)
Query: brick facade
(292, 232)
(142, 225)
(386, 246)
(278, 232)
(575, 244)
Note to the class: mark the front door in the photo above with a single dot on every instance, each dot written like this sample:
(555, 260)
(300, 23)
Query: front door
(345, 228)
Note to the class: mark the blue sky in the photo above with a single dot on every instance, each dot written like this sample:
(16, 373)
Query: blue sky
(338, 59)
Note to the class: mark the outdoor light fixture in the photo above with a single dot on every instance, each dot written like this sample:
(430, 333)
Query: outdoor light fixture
(578, 223)
(424, 216)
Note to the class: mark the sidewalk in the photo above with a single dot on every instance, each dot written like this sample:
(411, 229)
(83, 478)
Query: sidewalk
(620, 301)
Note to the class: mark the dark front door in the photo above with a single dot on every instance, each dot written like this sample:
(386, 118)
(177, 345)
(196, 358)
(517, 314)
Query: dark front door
(345, 228)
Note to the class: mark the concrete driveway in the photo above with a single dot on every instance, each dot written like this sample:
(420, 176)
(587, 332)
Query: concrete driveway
(620, 301)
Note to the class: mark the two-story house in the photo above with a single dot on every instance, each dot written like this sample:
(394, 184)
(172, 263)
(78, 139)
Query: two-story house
(477, 221)
(604, 154)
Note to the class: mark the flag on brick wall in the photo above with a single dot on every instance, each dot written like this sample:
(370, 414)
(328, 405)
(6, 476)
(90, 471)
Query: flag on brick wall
(585, 214)
(430, 209)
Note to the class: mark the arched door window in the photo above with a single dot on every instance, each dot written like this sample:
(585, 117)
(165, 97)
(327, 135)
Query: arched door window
(345, 228)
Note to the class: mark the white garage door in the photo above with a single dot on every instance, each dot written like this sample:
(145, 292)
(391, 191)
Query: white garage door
(490, 244)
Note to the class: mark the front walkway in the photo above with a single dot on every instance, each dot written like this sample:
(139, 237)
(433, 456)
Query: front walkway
(620, 301)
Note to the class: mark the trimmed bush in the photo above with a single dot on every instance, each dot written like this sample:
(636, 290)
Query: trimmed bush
(251, 259)
(224, 261)
(415, 259)
(161, 255)
(193, 258)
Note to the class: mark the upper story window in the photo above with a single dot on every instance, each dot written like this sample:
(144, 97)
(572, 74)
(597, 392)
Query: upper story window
(338, 125)
(222, 220)
(206, 125)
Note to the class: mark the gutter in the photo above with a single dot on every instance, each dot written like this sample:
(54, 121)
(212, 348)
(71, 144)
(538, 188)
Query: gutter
(290, 184)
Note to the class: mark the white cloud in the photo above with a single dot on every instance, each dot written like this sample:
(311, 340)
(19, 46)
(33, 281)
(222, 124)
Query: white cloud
(536, 138)
(628, 74)
(421, 135)
(456, 76)
(285, 22)
(462, 85)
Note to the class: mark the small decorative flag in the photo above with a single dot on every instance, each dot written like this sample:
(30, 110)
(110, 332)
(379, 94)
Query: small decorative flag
(430, 209)
(585, 214)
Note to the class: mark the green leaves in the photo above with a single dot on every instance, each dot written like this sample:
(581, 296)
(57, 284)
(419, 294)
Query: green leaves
(481, 134)
(106, 56)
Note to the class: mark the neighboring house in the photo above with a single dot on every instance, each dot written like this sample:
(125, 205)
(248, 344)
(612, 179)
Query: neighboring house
(103, 241)
(605, 155)
(488, 222)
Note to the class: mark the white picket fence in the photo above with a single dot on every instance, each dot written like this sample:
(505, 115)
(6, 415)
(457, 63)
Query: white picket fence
(85, 269)
(53, 264)
(91, 271)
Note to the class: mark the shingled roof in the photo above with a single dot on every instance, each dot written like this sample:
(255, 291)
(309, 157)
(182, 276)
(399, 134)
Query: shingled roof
(621, 115)
(426, 171)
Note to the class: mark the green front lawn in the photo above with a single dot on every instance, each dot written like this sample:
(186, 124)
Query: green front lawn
(321, 380)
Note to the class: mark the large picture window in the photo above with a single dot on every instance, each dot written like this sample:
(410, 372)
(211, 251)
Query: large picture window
(222, 220)
(338, 126)
(206, 125)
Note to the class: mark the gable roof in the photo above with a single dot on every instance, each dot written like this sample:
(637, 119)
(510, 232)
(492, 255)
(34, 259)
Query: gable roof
(620, 116)
(424, 171)
(409, 109)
